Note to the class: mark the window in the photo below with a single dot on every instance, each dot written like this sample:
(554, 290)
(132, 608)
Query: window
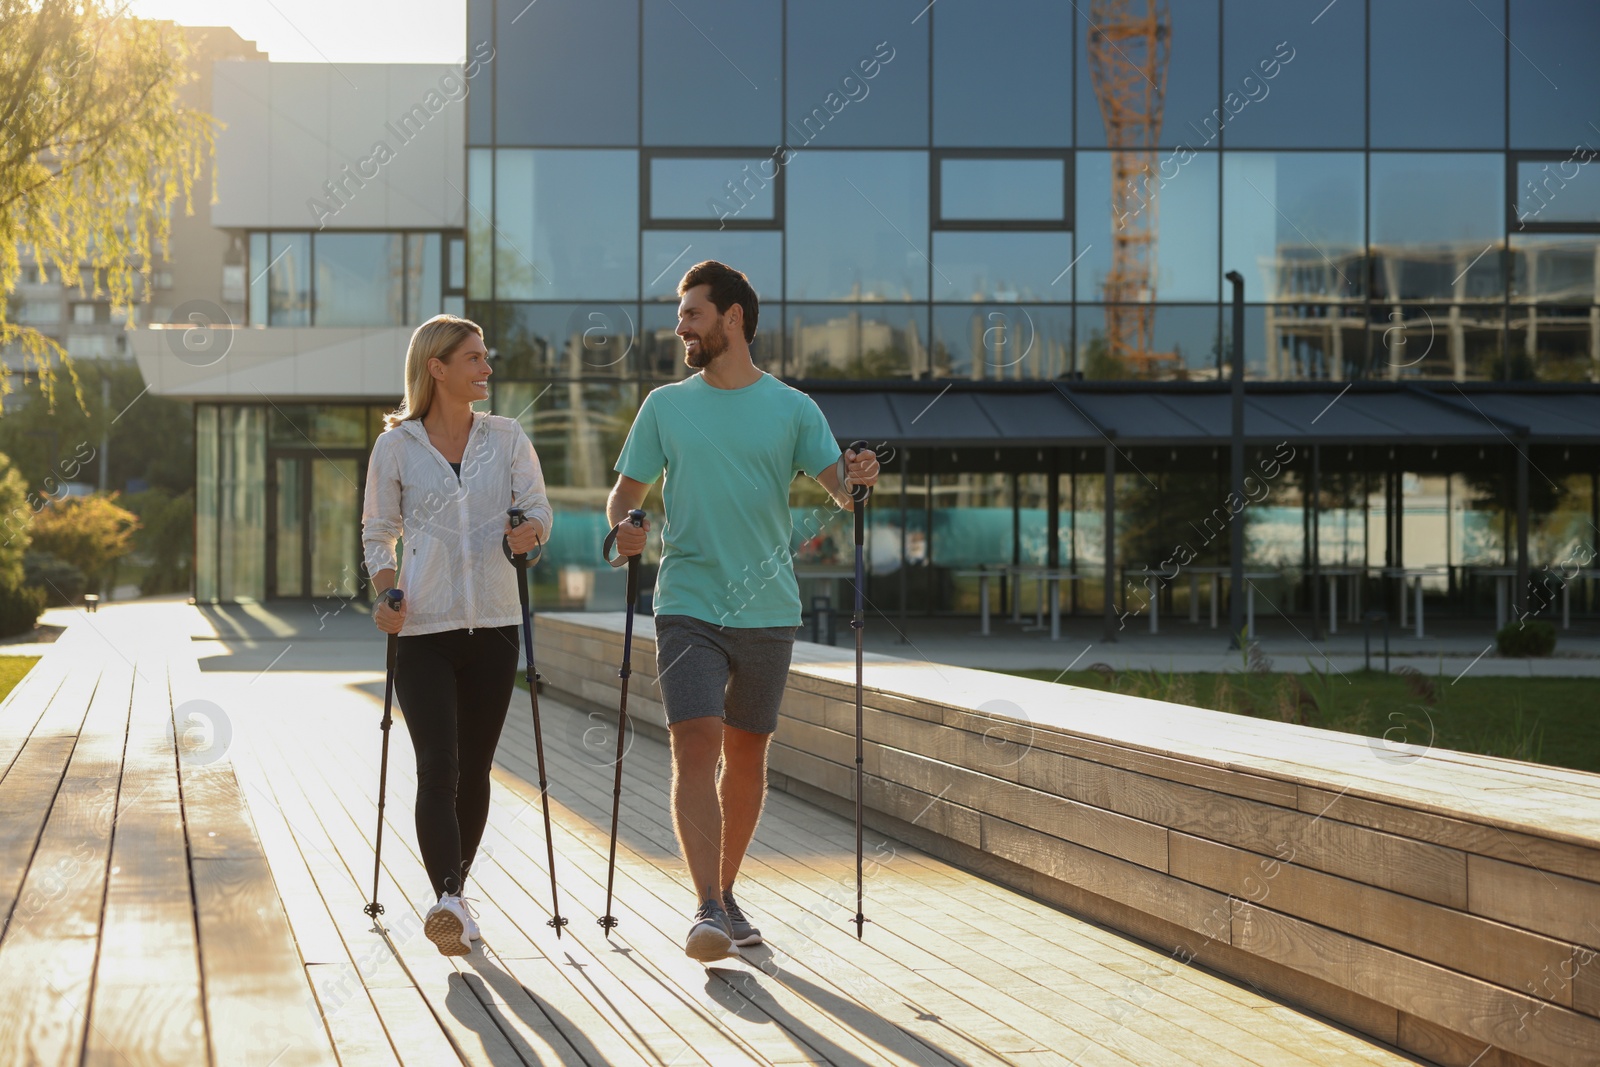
(1004, 266)
(1289, 82)
(1192, 97)
(1550, 268)
(1003, 77)
(858, 226)
(480, 95)
(480, 223)
(972, 191)
(1181, 191)
(1554, 78)
(83, 314)
(866, 341)
(288, 277)
(1450, 94)
(567, 72)
(565, 227)
(1184, 342)
(727, 51)
(668, 254)
(38, 312)
(1294, 224)
(358, 280)
(1555, 190)
(733, 190)
(1002, 342)
(538, 341)
(1435, 221)
(857, 73)
(422, 276)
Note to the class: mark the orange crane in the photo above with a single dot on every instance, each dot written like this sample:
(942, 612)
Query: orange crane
(1129, 42)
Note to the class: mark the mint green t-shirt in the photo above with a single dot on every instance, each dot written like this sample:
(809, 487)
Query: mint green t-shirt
(729, 456)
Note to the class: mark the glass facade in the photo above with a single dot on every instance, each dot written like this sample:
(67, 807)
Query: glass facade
(353, 279)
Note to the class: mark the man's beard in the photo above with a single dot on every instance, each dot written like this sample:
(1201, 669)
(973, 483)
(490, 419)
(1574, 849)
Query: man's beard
(712, 344)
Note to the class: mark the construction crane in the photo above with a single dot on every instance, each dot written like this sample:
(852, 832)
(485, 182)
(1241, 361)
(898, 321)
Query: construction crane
(1129, 42)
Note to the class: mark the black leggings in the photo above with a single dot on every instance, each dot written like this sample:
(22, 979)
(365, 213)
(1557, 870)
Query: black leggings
(454, 688)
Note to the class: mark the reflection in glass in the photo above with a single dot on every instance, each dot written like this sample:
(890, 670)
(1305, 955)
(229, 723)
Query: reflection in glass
(567, 72)
(1553, 343)
(359, 279)
(1022, 189)
(1188, 114)
(668, 255)
(1287, 84)
(289, 279)
(1005, 73)
(335, 526)
(422, 276)
(1000, 342)
(578, 430)
(1434, 216)
(242, 501)
(566, 224)
(289, 576)
(1007, 266)
(1554, 78)
(857, 341)
(1555, 268)
(565, 341)
(480, 94)
(1293, 224)
(1455, 343)
(858, 226)
(480, 225)
(1450, 94)
(206, 447)
(1318, 341)
(713, 189)
(310, 425)
(738, 66)
(1559, 190)
(1184, 345)
(661, 351)
(857, 73)
(1184, 202)
(257, 281)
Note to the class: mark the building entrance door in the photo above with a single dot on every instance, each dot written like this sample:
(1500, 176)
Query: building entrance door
(314, 524)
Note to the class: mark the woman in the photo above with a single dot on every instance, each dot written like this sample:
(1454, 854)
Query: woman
(442, 477)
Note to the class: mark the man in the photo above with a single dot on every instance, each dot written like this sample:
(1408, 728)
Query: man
(730, 440)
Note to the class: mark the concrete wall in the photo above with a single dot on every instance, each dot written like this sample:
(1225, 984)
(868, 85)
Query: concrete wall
(340, 146)
(1445, 903)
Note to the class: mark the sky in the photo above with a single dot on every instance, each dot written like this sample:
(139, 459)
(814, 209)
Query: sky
(330, 31)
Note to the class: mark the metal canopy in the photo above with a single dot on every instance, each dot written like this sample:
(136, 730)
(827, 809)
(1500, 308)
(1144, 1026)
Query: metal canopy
(1057, 414)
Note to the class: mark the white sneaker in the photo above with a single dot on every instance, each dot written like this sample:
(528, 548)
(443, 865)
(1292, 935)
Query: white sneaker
(446, 926)
(472, 919)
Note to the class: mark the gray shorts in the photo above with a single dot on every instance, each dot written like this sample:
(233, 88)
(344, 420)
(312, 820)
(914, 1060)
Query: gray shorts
(734, 673)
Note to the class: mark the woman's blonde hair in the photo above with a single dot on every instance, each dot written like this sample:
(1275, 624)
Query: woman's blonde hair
(434, 339)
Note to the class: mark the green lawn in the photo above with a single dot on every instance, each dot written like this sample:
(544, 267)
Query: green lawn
(1546, 720)
(12, 668)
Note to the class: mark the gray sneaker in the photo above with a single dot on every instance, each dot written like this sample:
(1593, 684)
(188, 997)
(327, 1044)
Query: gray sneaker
(708, 939)
(740, 927)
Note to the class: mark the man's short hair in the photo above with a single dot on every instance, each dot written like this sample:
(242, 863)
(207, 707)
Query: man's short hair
(728, 287)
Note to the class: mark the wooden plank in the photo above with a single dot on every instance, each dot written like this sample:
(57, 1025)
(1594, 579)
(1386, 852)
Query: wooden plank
(1438, 1045)
(1553, 904)
(215, 812)
(358, 1035)
(1499, 953)
(413, 1028)
(258, 1000)
(46, 985)
(1463, 1005)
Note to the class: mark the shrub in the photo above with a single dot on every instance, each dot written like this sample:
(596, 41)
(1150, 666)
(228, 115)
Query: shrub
(165, 539)
(58, 582)
(1536, 638)
(19, 610)
(90, 532)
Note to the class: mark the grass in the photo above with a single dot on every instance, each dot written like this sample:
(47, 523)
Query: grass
(1554, 721)
(12, 668)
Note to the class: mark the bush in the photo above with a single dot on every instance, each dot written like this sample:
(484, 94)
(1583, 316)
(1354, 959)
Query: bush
(89, 532)
(57, 582)
(19, 610)
(1520, 639)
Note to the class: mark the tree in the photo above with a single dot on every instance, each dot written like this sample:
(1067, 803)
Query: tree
(95, 148)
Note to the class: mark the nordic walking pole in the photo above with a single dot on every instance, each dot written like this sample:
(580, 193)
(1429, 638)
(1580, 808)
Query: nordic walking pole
(859, 495)
(375, 909)
(521, 561)
(608, 922)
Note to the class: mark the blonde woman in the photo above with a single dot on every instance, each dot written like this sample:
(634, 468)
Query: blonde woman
(440, 481)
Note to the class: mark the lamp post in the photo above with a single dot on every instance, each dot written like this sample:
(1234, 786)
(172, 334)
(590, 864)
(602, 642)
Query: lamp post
(1236, 592)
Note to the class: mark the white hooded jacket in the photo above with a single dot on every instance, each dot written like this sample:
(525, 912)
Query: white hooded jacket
(454, 572)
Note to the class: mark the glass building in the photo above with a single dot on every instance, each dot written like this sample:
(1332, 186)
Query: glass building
(1008, 194)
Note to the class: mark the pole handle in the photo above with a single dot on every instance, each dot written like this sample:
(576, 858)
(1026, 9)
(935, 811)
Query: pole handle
(521, 560)
(636, 517)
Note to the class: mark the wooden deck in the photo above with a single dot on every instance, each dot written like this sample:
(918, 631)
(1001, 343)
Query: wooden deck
(160, 914)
